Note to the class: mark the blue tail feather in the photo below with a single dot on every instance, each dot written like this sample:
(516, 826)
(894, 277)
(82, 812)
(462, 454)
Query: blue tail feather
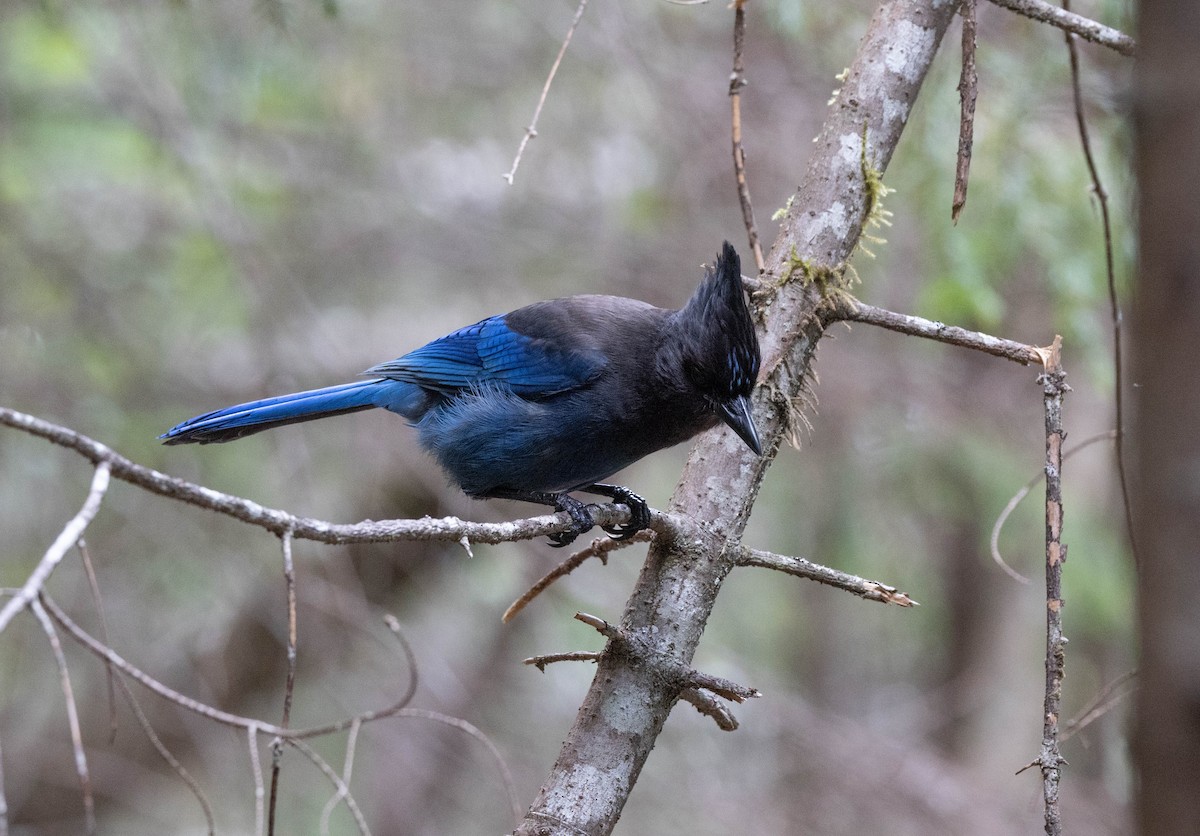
(248, 418)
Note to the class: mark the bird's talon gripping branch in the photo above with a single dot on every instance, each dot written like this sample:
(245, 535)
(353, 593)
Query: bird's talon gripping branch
(581, 520)
(639, 510)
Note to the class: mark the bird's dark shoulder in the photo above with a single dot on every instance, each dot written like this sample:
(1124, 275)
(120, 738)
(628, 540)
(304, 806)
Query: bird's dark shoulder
(603, 327)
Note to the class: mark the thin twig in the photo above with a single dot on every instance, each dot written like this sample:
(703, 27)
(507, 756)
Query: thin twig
(711, 707)
(600, 547)
(968, 89)
(3, 798)
(1021, 494)
(94, 585)
(70, 535)
(1114, 303)
(165, 753)
(801, 568)
(344, 791)
(289, 577)
(737, 80)
(510, 787)
(256, 768)
(347, 770)
(531, 131)
(1085, 28)
(1099, 706)
(81, 765)
(540, 662)
(1054, 388)
(918, 327)
(446, 529)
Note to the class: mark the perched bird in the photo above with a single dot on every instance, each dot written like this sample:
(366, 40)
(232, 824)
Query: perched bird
(553, 397)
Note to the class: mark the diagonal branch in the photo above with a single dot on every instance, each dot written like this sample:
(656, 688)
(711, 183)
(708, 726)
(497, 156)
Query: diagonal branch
(1085, 28)
(70, 534)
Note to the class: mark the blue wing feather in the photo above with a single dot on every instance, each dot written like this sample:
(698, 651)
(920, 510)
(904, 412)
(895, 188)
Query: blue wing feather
(490, 352)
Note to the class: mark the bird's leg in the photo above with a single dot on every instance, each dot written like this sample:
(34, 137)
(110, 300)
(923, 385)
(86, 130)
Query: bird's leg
(639, 511)
(581, 516)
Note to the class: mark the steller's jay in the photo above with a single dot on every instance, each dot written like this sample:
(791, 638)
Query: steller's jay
(553, 397)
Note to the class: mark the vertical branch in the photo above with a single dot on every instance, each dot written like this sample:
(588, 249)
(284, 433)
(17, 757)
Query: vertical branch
(3, 798)
(1054, 387)
(289, 575)
(256, 767)
(968, 84)
(1114, 303)
(737, 80)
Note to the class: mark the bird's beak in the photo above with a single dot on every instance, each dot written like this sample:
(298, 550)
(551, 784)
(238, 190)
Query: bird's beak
(736, 413)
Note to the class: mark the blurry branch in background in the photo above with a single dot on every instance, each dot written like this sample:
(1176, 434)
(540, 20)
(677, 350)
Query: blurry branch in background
(737, 80)
(255, 727)
(1110, 274)
(968, 89)
(1085, 28)
(531, 131)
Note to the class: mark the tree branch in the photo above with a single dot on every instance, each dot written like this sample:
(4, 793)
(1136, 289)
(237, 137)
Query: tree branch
(801, 568)
(1084, 27)
(305, 528)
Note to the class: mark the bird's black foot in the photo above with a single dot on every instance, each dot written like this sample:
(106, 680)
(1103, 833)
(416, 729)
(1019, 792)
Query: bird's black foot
(581, 520)
(639, 511)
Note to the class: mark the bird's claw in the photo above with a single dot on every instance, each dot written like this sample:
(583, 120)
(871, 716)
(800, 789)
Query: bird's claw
(581, 521)
(639, 514)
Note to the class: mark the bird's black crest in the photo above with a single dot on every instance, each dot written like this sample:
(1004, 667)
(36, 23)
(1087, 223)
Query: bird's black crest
(721, 352)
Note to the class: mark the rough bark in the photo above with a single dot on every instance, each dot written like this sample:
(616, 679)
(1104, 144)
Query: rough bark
(637, 681)
(1166, 377)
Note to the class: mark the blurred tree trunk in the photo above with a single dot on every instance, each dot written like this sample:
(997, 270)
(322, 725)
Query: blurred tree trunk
(1166, 349)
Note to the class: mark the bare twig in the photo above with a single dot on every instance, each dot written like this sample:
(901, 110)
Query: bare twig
(600, 547)
(510, 787)
(968, 88)
(1021, 494)
(347, 771)
(256, 767)
(1114, 303)
(289, 577)
(70, 534)
(531, 131)
(3, 798)
(342, 790)
(1085, 28)
(94, 585)
(540, 662)
(1054, 388)
(710, 706)
(801, 568)
(918, 327)
(447, 529)
(1099, 706)
(737, 80)
(165, 753)
(81, 765)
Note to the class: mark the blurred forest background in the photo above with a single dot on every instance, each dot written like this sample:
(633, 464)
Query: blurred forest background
(204, 203)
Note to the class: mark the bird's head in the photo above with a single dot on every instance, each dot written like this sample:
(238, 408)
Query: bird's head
(720, 349)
